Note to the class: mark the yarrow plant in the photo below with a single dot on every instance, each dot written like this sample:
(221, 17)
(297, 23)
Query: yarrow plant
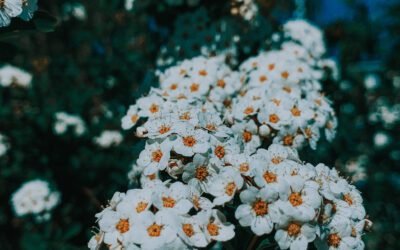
(221, 157)
(35, 198)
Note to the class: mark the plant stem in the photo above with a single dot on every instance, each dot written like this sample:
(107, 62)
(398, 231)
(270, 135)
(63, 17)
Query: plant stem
(253, 243)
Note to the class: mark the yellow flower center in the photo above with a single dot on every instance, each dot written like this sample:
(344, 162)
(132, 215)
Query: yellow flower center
(156, 155)
(219, 151)
(263, 78)
(230, 188)
(164, 129)
(273, 118)
(333, 240)
(154, 108)
(201, 173)
(295, 111)
(293, 229)
(247, 136)
(270, 177)
(203, 72)
(244, 167)
(249, 110)
(213, 229)
(260, 207)
(295, 199)
(188, 229)
(168, 202)
(189, 141)
(141, 206)
(285, 75)
(194, 87)
(347, 198)
(154, 230)
(123, 226)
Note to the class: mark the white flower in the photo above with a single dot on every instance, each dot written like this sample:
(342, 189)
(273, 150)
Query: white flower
(160, 127)
(9, 9)
(12, 75)
(174, 198)
(191, 231)
(215, 225)
(156, 230)
(135, 201)
(108, 138)
(222, 149)
(294, 235)
(225, 185)
(247, 133)
(274, 116)
(199, 172)
(131, 118)
(242, 163)
(150, 106)
(257, 210)
(301, 201)
(35, 197)
(64, 121)
(155, 156)
(190, 140)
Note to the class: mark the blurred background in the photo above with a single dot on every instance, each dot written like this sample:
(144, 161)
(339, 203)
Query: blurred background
(102, 55)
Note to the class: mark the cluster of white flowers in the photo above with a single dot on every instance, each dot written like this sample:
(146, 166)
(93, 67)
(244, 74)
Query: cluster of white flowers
(10, 75)
(35, 198)
(108, 138)
(23, 9)
(64, 121)
(3, 145)
(224, 142)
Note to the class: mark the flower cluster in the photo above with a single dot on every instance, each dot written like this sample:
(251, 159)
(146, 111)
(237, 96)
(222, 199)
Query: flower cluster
(35, 198)
(65, 121)
(108, 138)
(10, 75)
(23, 9)
(223, 142)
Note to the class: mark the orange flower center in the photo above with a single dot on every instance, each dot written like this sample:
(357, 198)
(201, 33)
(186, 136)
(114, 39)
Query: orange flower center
(156, 155)
(347, 198)
(221, 83)
(244, 167)
(287, 89)
(288, 140)
(211, 127)
(270, 177)
(273, 118)
(247, 136)
(168, 202)
(219, 151)
(189, 141)
(194, 87)
(154, 230)
(151, 176)
(213, 229)
(295, 199)
(294, 229)
(263, 78)
(154, 108)
(201, 173)
(271, 66)
(188, 229)
(276, 160)
(295, 111)
(230, 188)
(141, 206)
(334, 240)
(285, 75)
(134, 118)
(173, 86)
(260, 207)
(249, 110)
(185, 116)
(123, 226)
(203, 72)
(164, 129)
(276, 101)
